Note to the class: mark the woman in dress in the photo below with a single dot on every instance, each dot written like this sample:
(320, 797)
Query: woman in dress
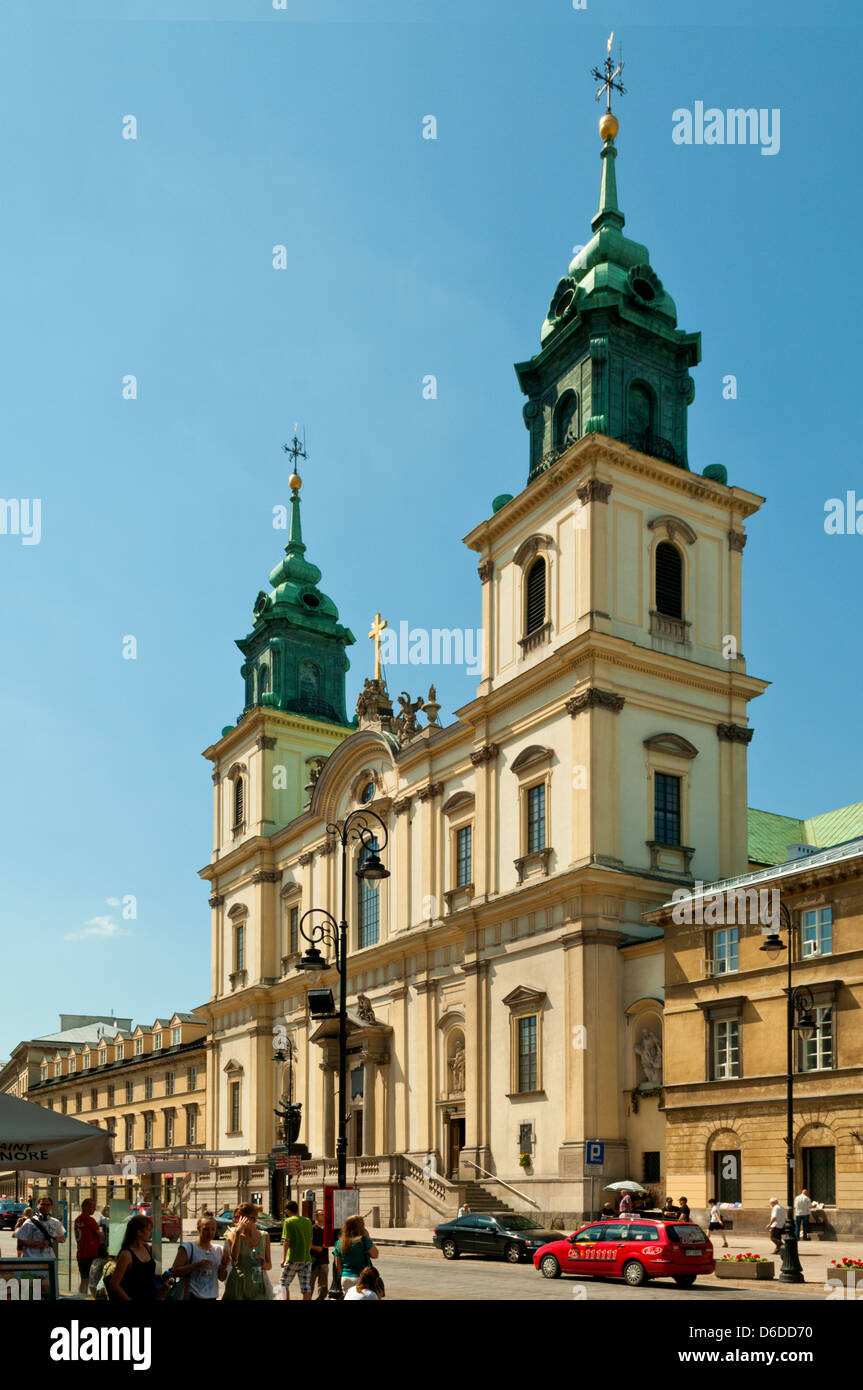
(134, 1278)
(202, 1263)
(249, 1250)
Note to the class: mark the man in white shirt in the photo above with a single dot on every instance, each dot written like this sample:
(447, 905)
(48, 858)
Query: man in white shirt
(37, 1236)
(776, 1224)
(802, 1208)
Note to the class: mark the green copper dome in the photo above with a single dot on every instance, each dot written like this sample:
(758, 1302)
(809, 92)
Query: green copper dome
(612, 360)
(295, 653)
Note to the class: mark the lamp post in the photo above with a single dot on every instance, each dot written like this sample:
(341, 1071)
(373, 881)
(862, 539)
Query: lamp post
(288, 1114)
(799, 1018)
(355, 827)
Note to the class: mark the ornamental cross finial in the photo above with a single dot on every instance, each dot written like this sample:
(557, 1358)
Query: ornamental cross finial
(295, 450)
(376, 629)
(608, 75)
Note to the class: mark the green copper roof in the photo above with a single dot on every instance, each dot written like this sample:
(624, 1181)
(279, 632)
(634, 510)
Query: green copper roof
(771, 834)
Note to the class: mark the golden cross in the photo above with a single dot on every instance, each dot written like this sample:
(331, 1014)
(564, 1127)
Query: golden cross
(377, 628)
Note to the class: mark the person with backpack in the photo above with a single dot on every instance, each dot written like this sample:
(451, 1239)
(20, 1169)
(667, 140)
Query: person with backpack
(201, 1266)
(354, 1250)
(40, 1234)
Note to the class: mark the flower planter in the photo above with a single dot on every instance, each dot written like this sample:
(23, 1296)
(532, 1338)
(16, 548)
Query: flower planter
(745, 1269)
(851, 1278)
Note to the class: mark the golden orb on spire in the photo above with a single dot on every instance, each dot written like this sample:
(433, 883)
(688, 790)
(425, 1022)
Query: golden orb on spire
(295, 482)
(608, 125)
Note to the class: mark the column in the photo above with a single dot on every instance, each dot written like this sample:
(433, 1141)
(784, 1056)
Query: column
(369, 1106)
(592, 587)
(398, 1073)
(476, 1063)
(424, 1071)
(328, 1125)
(382, 1143)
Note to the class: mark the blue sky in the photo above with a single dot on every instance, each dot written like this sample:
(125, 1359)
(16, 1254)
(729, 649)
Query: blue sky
(405, 257)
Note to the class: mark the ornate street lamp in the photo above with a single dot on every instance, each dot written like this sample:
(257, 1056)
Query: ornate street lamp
(356, 826)
(800, 1019)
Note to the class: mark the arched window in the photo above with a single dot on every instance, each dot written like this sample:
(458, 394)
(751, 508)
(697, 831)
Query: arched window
(669, 580)
(566, 420)
(534, 591)
(239, 800)
(640, 412)
(310, 680)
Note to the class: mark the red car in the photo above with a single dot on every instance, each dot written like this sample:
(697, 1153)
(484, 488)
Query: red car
(636, 1250)
(170, 1221)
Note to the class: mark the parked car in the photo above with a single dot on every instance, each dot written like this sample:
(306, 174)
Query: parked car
(272, 1225)
(634, 1250)
(170, 1221)
(10, 1210)
(501, 1234)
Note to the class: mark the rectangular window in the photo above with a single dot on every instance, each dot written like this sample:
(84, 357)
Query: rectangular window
(71, 1065)
(103, 1057)
(129, 1128)
(192, 1125)
(94, 1099)
(130, 1092)
(44, 1073)
(536, 818)
(650, 1166)
(169, 1129)
(369, 924)
(79, 1101)
(157, 1043)
(816, 932)
(819, 1175)
(148, 1131)
(817, 1051)
(139, 1046)
(527, 1053)
(234, 1107)
(64, 1105)
(294, 932)
(725, 950)
(463, 856)
(726, 1175)
(148, 1088)
(87, 1061)
(240, 947)
(110, 1095)
(169, 1083)
(193, 1078)
(176, 1033)
(666, 809)
(726, 1049)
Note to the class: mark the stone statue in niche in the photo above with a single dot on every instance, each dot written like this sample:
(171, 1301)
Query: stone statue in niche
(649, 1051)
(456, 1066)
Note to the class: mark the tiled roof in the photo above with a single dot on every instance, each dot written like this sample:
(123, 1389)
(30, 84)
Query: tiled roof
(771, 834)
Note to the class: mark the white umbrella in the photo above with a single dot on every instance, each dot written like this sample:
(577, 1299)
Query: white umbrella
(36, 1140)
(626, 1186)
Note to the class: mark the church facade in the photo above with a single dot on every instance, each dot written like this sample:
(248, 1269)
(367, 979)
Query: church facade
(505, 990)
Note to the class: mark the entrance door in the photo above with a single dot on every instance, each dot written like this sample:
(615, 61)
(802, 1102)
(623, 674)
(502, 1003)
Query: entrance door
(456, 1144)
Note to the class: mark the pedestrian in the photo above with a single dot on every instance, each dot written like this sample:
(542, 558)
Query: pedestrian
(25, 1216)
(625, 1206)
(682, 1209)
(669, 1211)
(134, 1279)
(201, 1264)
(97, 1268)
(320, 1258)
(249, 1249)
(87, 1240)
(464, 1210)
(296, 1252)
(715, 1222)
(39, 1236)
(608, 1213)
(776, 1225)
(354, 1250)
(802, 1209)
(369, 1287)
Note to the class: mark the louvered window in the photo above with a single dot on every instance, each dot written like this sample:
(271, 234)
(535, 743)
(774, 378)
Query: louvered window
(535, 596)
(239, 801)
(669, 580)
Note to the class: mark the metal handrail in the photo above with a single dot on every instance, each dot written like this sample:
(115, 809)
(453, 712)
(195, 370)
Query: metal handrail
(494, 1178)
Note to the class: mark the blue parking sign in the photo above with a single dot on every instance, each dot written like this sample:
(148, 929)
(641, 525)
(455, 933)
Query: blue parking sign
(594, 1153)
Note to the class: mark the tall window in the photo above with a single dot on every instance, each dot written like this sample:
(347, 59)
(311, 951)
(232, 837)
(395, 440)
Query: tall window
(650, 1165)
(169, 1083)
(157, 1042)
(64, 1104)
(239, 801)
(139, 1046)
(817, 1051)
(71, 1065)
(192, 1125)
(94, 1099)
(176, 1036)
(369, 923)
(148, 1131)
(130, 1092)
(534, 591)
(263, 679)
(819, 1174)
(536, 818)
(86, 1061)
(79, 1101)
(110, 1095)
(724, 950)
(234, 1106)
(566, 420)
(666, 809)
(463, 853)
(726, 1049)
(294, 931)
(669, 580)
(816, 931)
(169, 1129)
(527, 1053)
(192, 1077)
(43, 1071)
(129, 1131)
(148, 1088)
(103, 1056)
(240, 947)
